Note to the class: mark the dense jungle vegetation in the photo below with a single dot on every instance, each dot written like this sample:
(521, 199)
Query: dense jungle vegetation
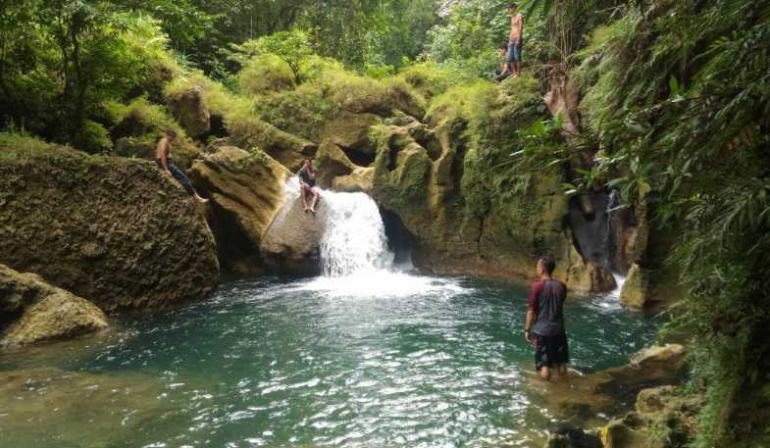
(675, 112)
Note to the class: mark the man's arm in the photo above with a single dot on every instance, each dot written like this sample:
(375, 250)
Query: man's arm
(532, 302)
(528, 325)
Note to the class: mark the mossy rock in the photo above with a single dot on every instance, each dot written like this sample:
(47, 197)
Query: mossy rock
(112, 230)
(190, 109)
(331, 162)
(246, 190)
(138, 128)
(351, 132)
(286, 148)
(45, 312)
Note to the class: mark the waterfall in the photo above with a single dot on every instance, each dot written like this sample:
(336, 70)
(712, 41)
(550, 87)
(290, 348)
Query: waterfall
(354, 240)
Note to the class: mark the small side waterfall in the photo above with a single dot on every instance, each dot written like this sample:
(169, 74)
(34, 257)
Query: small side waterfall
(355, 239)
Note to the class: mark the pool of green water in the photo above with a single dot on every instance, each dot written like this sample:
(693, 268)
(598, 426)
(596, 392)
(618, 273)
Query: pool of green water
(391, 360)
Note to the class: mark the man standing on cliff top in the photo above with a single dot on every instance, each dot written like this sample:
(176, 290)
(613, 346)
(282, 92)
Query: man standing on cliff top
(514, 39)
(544, 327)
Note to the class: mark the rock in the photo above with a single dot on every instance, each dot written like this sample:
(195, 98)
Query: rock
(331, 162)
(361, 95)
(291, 243)
(619, 435)
(569, 436)
(114, 231)
(116, 406)
(361, 179)
(635, 291)
(563, 100)
(667, 357)
(351, 132)
(286, 148)
(191, 111)
(137, 134)
(46, 312)
(247, 191)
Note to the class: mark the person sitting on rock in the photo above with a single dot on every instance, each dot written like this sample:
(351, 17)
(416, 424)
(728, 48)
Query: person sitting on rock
(164, 162)
(544, 326)
(307, 184)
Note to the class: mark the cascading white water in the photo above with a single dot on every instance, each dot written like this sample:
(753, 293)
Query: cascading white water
(354, 252)
(355, 239)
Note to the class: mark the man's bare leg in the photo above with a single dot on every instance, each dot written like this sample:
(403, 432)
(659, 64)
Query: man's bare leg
(303, 193)
(315, 199)
(516, 69)
(545, 373)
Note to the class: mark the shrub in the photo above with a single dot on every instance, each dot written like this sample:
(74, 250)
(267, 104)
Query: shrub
(265, 73)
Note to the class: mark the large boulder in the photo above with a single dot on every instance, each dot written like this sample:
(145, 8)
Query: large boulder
(44, 311)
(114, 231)
(246, 189)
(634, 293)
(331, 162)
(352, 132)
(286, 148)
(360, 180)
(292, 242)
(191, 111)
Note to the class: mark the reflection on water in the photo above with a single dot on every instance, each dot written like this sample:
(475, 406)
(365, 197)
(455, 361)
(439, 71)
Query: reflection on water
(386, 360)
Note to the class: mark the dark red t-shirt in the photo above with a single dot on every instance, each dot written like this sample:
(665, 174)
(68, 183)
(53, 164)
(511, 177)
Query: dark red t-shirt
(546, 301)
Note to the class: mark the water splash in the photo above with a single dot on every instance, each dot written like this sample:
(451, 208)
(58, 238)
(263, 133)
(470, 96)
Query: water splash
(354, 240)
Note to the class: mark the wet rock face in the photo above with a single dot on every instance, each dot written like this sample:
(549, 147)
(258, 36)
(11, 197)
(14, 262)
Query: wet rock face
(246, 191)
(114, 231)
(44, 311)
(291, 243)
(635, 292)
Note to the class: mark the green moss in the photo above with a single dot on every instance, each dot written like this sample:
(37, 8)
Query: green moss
(12, 143)
(219, 99)
(431, 79)
(302, 111)
(94, 138)
(265, 73)
(471, 103)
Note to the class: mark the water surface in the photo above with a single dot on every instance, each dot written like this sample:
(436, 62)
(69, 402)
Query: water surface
(374, 360)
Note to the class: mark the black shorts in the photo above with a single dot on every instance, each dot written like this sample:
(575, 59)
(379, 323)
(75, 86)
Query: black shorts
(550, 351)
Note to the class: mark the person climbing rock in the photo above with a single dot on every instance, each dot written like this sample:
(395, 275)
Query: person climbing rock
(515, 39)
(163, 159)
(307, 184)
(544, 326)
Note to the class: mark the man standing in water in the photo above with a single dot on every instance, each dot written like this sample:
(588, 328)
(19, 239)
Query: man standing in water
(544, 327)
(307, 184)
(514, 39)
(164, 162)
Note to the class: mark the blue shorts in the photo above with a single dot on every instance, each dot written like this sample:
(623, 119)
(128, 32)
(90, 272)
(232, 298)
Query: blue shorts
(514, 52)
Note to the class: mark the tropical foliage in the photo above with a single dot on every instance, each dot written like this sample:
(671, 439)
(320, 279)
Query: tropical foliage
(674, 107)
